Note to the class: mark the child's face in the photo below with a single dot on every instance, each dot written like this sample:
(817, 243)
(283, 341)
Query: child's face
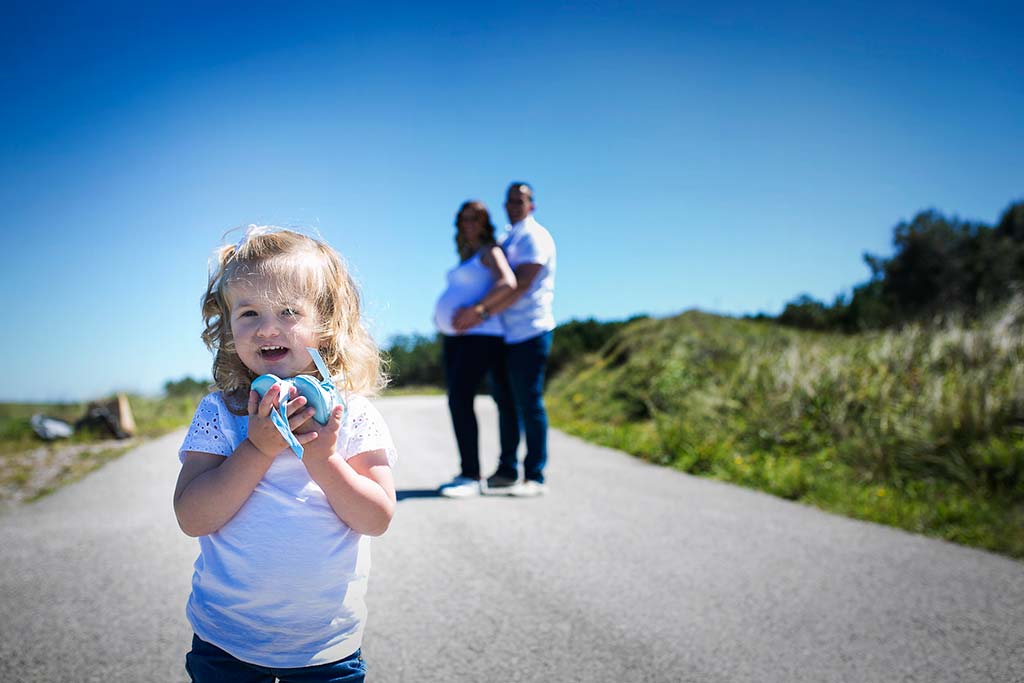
(271, 333)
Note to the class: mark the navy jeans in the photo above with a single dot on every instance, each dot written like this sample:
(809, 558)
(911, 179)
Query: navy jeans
(527, 362)
(468, 359)
(207, 663)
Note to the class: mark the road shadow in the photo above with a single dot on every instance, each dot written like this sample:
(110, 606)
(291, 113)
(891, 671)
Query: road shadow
(417, 493)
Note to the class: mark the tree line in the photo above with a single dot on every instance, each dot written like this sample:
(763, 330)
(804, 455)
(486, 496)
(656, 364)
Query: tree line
(942, 266)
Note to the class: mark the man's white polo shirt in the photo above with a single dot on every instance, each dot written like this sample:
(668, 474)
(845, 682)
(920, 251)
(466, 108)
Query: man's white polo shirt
(529, 242)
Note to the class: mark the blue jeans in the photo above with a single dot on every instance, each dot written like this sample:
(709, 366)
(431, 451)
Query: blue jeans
(207, 663)
(526, 362)
(468, 359)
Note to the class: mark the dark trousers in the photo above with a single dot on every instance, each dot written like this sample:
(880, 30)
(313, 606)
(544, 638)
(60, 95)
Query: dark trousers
(527, 362)
(207, 663)
(468, 359)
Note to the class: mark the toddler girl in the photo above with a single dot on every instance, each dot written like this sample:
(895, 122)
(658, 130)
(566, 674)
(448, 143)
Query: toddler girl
(284, 547)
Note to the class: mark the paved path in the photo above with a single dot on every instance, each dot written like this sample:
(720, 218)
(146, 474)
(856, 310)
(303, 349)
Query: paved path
(626, 572)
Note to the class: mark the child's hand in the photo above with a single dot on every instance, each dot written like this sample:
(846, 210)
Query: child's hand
(321, 440)
(263, 433)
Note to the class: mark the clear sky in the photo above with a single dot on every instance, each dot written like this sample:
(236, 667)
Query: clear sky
(726, 157)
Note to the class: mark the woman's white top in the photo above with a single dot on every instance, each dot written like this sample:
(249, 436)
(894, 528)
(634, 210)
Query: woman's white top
(468, 282)
(282, 583)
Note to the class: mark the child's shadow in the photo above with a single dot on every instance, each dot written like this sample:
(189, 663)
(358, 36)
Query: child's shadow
(417, 493)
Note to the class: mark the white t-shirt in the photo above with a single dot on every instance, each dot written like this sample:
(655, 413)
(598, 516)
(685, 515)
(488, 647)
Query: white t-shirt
(468, 282)
(529, 242)
(282, 583)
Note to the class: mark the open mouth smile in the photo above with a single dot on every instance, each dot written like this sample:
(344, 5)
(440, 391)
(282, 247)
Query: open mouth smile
(273, 353)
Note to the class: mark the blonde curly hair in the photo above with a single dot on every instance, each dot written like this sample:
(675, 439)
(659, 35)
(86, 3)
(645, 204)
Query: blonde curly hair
(294, 262)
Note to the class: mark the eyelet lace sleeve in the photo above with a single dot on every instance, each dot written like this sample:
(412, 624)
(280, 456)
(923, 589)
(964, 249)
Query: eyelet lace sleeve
(207, 434)
(365, 430)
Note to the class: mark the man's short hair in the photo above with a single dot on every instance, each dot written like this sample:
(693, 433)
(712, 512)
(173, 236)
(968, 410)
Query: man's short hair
(519, 185)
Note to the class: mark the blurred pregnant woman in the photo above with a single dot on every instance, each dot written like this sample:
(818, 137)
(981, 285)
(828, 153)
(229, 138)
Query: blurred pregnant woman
(480, 351)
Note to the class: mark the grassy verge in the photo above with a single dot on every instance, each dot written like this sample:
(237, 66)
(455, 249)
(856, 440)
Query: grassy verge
(413, 390)
(922, 429)
(31, 469)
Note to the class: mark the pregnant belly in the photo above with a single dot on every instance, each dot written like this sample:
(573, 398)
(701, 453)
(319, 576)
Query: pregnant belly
(444, 310)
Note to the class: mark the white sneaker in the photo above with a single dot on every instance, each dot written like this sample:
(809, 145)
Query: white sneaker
(529, 489)
(460, 487)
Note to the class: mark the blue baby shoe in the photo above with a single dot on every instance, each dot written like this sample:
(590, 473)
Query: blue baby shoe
(321, 395)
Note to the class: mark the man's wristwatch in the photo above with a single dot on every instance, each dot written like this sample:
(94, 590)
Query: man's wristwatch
(481, 311)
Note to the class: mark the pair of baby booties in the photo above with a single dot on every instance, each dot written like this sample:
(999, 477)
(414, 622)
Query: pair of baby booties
(321, 395)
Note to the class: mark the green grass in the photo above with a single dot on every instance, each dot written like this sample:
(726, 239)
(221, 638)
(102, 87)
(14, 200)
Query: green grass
(31, 468)
(413, 390)
(15, 432)
(156, 416)
(920, 428)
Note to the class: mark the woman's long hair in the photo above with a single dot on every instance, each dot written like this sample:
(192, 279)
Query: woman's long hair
(462, 245)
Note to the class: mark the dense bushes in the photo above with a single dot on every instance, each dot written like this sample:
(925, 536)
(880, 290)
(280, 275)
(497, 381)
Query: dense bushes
(415, 360)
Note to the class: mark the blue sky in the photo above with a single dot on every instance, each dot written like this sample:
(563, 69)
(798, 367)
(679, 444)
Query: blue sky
(725, 157)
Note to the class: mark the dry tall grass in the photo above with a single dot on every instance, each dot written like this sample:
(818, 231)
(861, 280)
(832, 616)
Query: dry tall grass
(928, 416)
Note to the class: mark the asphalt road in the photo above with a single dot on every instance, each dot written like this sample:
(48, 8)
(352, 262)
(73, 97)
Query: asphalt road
(624, 572)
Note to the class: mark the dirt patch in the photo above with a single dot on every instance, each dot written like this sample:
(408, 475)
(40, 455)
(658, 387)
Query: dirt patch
(31, 474)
